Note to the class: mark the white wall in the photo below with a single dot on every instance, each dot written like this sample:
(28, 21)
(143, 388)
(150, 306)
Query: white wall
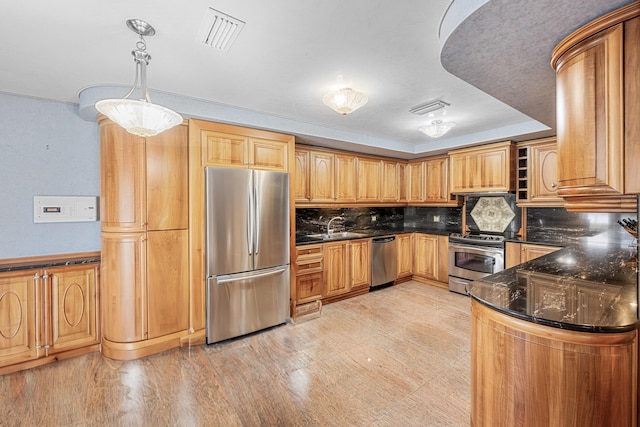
(45, 149)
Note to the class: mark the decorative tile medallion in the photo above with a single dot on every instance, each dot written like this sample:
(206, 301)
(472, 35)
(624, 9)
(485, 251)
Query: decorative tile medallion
(492, 214)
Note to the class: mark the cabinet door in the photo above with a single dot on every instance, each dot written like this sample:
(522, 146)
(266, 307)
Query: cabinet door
(416, 182)
(369, 180)
(18, 317)
(426, 260)
(436, 180)
(123, 281)
(486, 168)
(74, 320)
(167, 180)
(167, 282)
(335, 264)
(122, 179)
(360, 263)
(544, 173)
(590, 101)
(345, 181)
(309, 287)
(405, 255)
(224, 149)
(301, 177)
(530, 252)
(269, 155)
(389, 181)
(403, 182)
(322, 177)
(512, 252)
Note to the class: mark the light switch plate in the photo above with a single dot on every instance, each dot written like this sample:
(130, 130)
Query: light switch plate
(65, 208)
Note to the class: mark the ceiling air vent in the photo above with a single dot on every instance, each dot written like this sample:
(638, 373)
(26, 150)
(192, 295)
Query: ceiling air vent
(219, 30)
(428, 107)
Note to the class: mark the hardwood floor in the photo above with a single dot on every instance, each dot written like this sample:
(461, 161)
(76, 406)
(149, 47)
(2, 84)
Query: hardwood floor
(395, 357)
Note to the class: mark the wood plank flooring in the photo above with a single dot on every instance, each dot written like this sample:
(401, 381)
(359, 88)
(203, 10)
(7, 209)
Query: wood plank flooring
(395, 357)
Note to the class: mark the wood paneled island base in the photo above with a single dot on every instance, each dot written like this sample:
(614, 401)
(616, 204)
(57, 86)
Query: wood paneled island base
(526, 374)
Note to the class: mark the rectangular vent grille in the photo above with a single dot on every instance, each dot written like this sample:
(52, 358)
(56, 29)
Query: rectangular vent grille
(428, 107)
(219, 30)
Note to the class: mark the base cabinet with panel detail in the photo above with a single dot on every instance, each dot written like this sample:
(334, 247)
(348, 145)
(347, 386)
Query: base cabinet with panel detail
(517, 253)
(405, 255)
(48, 314)
(430, 260)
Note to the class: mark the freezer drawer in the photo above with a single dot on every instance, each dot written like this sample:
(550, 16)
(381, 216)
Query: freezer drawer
(238, 304)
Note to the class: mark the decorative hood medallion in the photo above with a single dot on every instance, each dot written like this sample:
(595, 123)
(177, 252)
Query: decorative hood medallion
(492, 214)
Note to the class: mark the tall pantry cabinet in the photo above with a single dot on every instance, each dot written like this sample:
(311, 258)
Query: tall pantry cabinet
(144, 232)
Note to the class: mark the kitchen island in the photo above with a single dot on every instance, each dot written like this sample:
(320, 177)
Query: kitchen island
(554, 340)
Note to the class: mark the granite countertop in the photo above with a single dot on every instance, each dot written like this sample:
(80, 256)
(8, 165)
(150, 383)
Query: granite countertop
(588, 288)
(48, 263)
(304, 240)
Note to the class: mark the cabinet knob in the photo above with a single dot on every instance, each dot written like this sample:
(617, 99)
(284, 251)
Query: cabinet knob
(554, 185)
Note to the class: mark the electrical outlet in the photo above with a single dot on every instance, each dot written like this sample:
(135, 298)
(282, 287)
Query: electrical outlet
(436, 218)
(374, 218)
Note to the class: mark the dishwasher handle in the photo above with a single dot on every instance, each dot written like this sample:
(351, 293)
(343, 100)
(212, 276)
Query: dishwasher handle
(383, 239)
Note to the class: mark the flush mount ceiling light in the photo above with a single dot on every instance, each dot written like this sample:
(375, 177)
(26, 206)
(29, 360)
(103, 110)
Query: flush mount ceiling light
(437, 128)
(139, 117)
(345, 100)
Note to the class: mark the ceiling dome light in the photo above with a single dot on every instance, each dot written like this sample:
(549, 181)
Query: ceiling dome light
(436, 129)
(139, 117)
(345, 100)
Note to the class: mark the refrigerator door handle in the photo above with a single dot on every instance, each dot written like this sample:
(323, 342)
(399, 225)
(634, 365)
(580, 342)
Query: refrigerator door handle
(250, 238)
(257, 201)
(229, 278)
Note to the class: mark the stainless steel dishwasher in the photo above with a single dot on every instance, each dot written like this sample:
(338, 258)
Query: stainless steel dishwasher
(384, 263)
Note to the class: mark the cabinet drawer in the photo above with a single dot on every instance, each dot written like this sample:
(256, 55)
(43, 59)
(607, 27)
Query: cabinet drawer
(309, 251)
(309, 287)
(310, 266)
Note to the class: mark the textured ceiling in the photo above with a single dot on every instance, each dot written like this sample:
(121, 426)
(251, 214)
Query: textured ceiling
(504, 48)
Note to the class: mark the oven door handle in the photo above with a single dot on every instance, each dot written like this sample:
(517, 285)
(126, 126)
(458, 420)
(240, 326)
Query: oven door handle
(475, 248)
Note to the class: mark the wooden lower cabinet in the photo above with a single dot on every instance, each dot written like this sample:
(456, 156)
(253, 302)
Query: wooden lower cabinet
(146, 296)
(526, 374)
(47, 314)
(309, 273)
(360, 263)
(404, 245)
(517, 253)
(336, 264)
(431, 257)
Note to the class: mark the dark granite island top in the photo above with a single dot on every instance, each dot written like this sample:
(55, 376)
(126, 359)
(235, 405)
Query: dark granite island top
(588, 288)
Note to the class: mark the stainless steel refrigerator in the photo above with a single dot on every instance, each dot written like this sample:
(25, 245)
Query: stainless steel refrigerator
(247, 251)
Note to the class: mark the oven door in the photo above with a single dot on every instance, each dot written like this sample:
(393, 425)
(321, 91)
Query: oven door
(474, 262)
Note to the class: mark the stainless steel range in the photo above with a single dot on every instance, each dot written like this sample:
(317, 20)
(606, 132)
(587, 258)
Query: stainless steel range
(472, 257)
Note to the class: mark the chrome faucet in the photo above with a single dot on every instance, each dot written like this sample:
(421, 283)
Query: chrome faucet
(330, 221)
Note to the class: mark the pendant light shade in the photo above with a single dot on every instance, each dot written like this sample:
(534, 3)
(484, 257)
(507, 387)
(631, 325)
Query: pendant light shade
(139, 117)
(345, 100)
(437, 128)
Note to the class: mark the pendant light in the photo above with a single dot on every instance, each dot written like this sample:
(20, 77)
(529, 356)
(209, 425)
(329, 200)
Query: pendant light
(139, 116)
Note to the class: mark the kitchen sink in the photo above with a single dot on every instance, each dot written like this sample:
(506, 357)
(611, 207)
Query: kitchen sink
(336, 236)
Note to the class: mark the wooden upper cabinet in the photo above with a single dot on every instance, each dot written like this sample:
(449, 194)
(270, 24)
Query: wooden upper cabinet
(403, 182)
(416, 182)
(390, 183)
(321, 179)
(167, 180)
(483, 169)
(590, 116)
(538, 174)
(369, 180)
(598, 102)
(234, 146)
(345, 178)
(123, 204)
(437, 180)
(301, 177)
